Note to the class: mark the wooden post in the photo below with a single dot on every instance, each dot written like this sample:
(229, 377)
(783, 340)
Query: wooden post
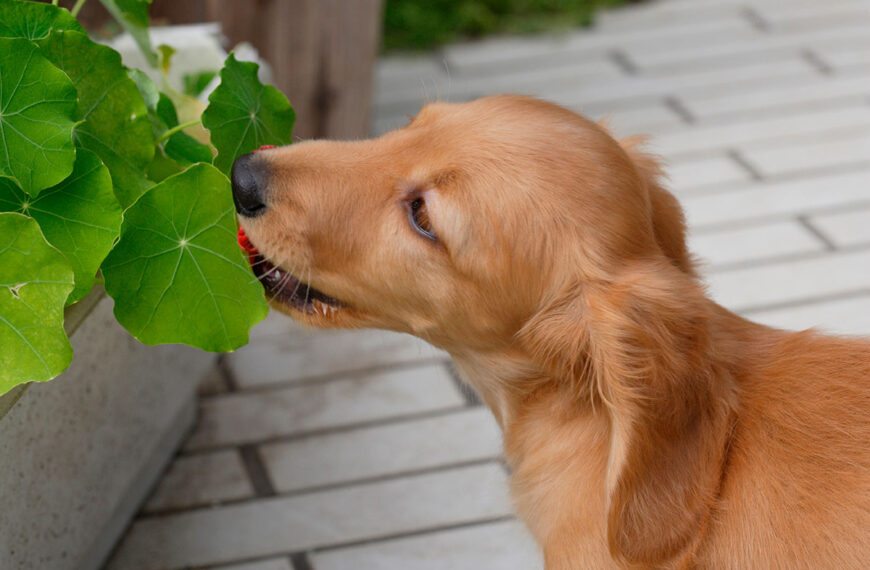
(322, 52)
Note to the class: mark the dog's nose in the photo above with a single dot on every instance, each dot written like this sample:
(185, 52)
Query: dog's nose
(247, 187)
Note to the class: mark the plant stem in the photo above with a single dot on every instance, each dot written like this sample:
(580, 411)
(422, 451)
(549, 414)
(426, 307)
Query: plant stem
(77, 8)
(54, 2)
(177, 129)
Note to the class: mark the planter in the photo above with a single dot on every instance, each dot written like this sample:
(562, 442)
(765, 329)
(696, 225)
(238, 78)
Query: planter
(80, 453)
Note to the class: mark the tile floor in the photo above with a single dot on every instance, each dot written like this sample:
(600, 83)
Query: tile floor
(360, 450)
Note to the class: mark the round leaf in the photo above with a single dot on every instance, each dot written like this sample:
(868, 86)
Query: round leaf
(80, 216)
(36, 117)
(115, 121)
(243, 114)
(177, 274)
(34, 20)
(35, 280)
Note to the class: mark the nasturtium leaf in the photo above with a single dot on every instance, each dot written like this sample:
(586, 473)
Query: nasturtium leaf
(37, 102)
(80, 217)
(177, 274)
(180, 149)
(133, 16)
(33, 20)
(35, 280)
(115, 123)
(243, 114)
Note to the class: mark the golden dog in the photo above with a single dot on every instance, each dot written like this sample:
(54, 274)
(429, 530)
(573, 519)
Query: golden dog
(645, 425)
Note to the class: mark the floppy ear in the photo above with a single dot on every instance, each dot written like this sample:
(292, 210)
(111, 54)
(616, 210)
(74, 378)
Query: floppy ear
(640, 345)
(669, 223)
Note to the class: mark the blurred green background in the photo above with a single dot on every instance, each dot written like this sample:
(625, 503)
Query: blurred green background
(424, 24)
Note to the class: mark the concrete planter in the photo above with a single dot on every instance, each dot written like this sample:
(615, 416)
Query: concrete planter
(79, 454)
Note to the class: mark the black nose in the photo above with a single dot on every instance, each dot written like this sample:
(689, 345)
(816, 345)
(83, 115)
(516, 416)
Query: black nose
(247, 187)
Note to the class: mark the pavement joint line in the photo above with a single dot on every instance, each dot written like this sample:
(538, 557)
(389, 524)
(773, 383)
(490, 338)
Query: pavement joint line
(623, 62)
(412, 533)
(256, 471)
(715, 188)
(320, 379)
(738, 223)
(794, 303)
(300, 561)
(741, 161)
(829, 244)
(338, 486)
(755, 19)
(227, 375)
(781, 258)
(304, 434)
(816, 62)
(468, 393)
(674, 104)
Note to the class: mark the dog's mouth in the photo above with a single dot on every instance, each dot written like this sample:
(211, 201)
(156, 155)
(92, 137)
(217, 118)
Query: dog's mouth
(283, 287)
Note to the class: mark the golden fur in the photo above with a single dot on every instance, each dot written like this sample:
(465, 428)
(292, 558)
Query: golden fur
(646, 426)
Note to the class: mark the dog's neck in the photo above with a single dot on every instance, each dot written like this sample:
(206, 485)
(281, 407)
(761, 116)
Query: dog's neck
(565, 450)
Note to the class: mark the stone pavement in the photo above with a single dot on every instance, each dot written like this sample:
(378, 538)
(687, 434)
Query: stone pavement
(359, 450)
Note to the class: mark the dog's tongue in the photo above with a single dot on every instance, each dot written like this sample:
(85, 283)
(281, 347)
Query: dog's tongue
(246, 245)
(265, 147)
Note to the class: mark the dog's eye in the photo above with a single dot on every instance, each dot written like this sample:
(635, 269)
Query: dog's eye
(418, 215)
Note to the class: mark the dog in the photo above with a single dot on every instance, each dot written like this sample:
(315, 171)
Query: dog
(645, 426)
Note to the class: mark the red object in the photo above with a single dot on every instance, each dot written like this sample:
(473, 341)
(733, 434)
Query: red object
(265, 147)
(246, 245)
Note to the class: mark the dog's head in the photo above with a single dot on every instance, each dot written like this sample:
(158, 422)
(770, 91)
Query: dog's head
(454, 228)
(511, 224)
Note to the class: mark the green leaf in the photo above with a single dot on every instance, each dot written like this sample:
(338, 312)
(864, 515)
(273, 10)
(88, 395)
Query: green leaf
(35, 280)
(33, 20)
(243, 114)
(133, 16)
(180, 149)
(115, 121)
(80, 217)
(36, 117)
(194, 83)
(177, 274)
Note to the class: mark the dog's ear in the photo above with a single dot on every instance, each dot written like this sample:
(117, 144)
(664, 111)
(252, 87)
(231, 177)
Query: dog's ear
(640, 346)
(669, 223)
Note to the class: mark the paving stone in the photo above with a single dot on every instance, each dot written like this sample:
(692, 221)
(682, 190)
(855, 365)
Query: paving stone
(845, 228)
(643, 119)
(525, 81)
(737, 47)
(784, 18)
(271, 564)
(757, 201)
(845, 57)
(753, 243)
(815, 92)
(645, 88)
(847, 150)
(691, 174)
(201, 480)
(287, 524)
(305, 353)
(497, 546)
(829, 123)
(246, 417)
(849, 316)
(791, 281)
(656, 15)
(498, 54)
(383, 450)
